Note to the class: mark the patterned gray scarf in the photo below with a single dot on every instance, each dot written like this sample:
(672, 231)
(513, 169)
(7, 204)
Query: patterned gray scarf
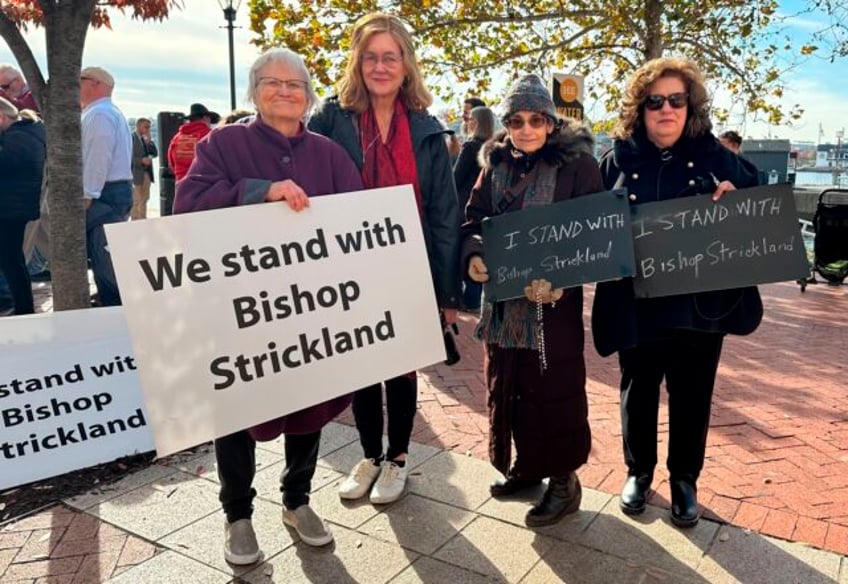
(511, 324)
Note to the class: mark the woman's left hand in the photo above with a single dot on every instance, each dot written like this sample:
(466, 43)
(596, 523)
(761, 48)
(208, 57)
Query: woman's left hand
(722, 188)
(290, 192)
(450, 315)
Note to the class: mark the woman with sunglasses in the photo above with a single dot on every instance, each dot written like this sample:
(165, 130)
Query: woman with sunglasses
(534, 365)
(380, 118)
(664, 149)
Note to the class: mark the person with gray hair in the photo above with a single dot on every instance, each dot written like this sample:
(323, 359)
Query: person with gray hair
(22, 154)
(14, 88)
(106, 174)
(271, 159)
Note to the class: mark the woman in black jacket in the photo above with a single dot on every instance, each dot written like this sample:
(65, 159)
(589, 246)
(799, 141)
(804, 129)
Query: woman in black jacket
(481, 127)
(380, 117)
(664, 149)
(22, 155)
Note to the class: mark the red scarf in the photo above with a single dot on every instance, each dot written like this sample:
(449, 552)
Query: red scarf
(389, 163)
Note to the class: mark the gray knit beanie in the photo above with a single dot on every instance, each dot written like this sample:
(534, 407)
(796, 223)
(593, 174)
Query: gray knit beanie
(528, 94)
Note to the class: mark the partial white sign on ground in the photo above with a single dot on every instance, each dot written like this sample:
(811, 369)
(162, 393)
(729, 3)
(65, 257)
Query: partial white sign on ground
(69, 394)
(245, 314)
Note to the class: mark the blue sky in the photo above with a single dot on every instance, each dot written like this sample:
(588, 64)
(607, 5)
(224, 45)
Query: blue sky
(167, 66)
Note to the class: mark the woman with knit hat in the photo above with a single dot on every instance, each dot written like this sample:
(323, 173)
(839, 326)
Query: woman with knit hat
(534, 365)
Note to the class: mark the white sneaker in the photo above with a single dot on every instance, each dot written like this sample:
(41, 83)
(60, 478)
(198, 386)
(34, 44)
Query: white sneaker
(360, 479)
(389, 487)
(240, 546)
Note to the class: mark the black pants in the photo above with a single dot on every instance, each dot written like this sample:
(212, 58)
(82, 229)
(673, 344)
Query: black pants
(236, 458)
(688, 361)
(13, 265)
(401, 402)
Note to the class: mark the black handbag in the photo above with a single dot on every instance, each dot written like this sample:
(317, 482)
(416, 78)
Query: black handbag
(453, 356)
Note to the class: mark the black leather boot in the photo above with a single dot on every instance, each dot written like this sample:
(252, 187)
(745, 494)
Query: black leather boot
(562, 497)
(684, 502)
(634, 494)
(511, 485)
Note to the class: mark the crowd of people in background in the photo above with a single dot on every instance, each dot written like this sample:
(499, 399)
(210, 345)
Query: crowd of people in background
(376, 131)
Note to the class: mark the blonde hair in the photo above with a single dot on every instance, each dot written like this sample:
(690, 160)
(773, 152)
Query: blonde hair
(632, 113)
(353, 94)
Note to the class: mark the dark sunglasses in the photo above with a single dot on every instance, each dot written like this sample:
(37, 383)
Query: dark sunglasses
(675, 100)
(535, 122)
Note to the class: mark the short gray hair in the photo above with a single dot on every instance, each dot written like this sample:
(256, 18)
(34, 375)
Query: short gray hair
(288, 58)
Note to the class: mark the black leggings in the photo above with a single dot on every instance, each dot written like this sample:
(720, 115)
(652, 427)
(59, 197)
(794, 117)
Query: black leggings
(13, 265)
(401, 402)
(236, 458)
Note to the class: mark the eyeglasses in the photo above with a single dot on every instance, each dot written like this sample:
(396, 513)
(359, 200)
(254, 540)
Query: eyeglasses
(535, 121)
(290, 85)
(390, 60)
(675, 100)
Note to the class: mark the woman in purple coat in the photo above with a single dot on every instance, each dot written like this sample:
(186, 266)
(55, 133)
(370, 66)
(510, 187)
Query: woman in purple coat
(271, 159)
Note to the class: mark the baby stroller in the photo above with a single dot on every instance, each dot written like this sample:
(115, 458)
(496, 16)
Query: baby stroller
(830, 246)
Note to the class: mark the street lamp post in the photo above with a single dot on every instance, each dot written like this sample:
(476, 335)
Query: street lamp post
(230, 7)
(837, 164)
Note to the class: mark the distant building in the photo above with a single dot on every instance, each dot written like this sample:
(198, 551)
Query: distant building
(772, 158)
(827, 155)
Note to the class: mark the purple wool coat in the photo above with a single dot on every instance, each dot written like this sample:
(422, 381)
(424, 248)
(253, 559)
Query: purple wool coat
(235, 165)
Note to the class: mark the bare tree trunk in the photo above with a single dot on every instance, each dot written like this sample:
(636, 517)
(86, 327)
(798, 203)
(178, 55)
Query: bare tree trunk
(66, 25)
(653, 29)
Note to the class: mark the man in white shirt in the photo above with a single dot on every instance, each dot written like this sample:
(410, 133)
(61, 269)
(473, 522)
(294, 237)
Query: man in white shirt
(106, 174)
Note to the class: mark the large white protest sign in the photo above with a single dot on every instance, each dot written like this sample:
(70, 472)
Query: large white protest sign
(69, 394)
(244, 314)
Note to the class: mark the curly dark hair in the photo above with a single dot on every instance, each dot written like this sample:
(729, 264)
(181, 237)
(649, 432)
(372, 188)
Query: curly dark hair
(631, 116)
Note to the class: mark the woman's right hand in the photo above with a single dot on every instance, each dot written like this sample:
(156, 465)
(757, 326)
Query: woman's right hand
(290, 192)
(477, 270)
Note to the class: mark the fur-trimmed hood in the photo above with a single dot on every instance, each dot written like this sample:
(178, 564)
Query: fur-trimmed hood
(567, 143)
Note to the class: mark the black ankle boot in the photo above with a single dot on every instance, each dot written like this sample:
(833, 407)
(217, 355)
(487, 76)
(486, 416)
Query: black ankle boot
(512, 485)
(684, 502)
(634, 494)
(562, 497)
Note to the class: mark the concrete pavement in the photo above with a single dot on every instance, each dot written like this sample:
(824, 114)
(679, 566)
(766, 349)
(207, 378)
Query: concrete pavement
(446, 529)
(775, 486)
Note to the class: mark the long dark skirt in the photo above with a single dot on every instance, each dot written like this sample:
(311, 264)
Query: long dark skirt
(545, 413)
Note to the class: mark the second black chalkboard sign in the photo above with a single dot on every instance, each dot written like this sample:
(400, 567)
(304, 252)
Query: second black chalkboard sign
(693, 244)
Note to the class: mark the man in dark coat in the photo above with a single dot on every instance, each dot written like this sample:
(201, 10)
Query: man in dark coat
(143, 153)
(22, 155)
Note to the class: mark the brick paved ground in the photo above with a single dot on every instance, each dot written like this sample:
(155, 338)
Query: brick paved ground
(777, 461)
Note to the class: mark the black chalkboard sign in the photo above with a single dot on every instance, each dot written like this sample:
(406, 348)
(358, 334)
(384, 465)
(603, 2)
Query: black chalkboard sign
(586, 239)
(693, 244)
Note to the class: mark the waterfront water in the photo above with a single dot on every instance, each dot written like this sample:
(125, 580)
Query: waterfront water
(818, 178)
